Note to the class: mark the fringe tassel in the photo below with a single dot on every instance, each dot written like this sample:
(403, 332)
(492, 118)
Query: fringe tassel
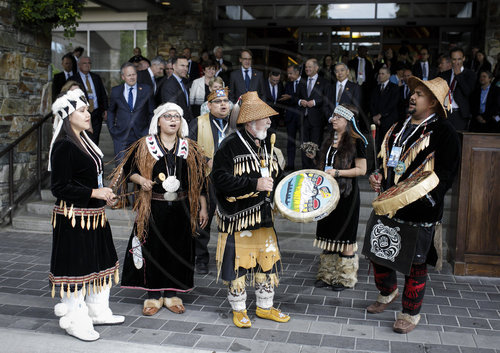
(53, 292)
(117, 276)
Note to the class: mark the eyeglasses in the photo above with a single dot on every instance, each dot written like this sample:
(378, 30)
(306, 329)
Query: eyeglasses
(220, 101)
(174, 117)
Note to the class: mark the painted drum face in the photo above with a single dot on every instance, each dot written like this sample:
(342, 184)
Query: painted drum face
(307, 195)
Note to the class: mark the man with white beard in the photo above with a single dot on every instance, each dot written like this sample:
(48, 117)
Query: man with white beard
(245, 173)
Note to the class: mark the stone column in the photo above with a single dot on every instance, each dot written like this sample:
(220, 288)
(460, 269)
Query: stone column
(24, 95)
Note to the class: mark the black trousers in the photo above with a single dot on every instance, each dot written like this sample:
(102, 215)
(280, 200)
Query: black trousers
(293, 125)
(96, 119)
(201, 241)
(310, 133)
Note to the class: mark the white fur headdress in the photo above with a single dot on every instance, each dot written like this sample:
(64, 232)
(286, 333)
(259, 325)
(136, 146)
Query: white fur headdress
(162, 109)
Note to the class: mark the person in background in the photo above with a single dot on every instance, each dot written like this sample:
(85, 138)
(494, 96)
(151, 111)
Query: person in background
(95, 93)
(172, 53)
(423, 68)
(225, 66)
(215, 83)
(175, 88)
(328, 69)
(193, 67)
(153, 74)
(246, 78)
(273, 90)
(482, 63)
(61, 78)
(404, 95)
(444, 63)
(200, 90)
(485, 105)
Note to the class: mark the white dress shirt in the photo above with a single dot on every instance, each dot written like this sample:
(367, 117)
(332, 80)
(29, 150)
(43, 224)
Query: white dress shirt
(126, 89)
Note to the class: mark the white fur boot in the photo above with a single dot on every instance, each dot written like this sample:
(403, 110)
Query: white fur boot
(99, 310)
(75, 318)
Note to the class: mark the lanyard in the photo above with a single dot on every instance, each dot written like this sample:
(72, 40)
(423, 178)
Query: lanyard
(333, 157)
(97, 160)
(222, 132)
(398, 136)
(250, 149)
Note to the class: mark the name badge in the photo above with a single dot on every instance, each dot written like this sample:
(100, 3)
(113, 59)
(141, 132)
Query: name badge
(99, 181)
(328, 167)
(264, 172)
(394, 156)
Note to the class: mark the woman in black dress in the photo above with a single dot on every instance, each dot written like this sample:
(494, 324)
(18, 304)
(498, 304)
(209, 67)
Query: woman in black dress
(343, 156)
(170, 171)
(83, 254)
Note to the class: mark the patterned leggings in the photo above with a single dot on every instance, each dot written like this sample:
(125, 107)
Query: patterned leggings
(414, 290)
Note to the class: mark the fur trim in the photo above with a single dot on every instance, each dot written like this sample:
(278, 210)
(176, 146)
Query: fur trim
(346, 271)
(237, 300)
(238, 284)
(412, 319)
(172, 301)
(327, 267)
(386, 299)
(60, 309)
(153, 303)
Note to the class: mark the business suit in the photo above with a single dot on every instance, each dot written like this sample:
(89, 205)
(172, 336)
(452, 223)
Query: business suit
(171, 91)
(367, 86)
(201, 241)
(127, 126)
(404, 100)
(224, 74)
(492, 109)
(461, 92)
(351, 94)
(102, 103)
(57, 83)
(237, 85)
(417, 71)
(385, 103)
(274, 103)
(144, 77)
(293, 121)
(193, 71)
(315, 117)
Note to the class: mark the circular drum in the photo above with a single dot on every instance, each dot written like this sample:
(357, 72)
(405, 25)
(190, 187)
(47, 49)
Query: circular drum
(307, 195)
(404, 193)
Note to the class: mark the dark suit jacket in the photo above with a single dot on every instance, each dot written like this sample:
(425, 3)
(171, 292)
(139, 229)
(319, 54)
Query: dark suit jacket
(317, 114)
(171, 91)
(292, 110)
(100, 91)
(125, 125)
(369, 74)
(268, 97)
(465, 83)
(385, 103)
(492, 103)
(194, 72)
(57, 83)
(143, 77)
(417, 71)
(403, 102)
(225, 74)
(237, 85)
(350, 95)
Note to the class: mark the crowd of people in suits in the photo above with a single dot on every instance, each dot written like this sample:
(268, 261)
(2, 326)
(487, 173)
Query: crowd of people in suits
(305, 96)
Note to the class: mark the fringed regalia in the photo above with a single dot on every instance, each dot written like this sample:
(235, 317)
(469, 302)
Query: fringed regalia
(164, 228)
(247, 239)
(339, 228)
(83, 253)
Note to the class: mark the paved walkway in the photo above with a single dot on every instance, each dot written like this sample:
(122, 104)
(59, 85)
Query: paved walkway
(460, 314)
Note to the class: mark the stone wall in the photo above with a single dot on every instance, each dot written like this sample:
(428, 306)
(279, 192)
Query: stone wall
(181, 28)
(492, 45)
(24, 96)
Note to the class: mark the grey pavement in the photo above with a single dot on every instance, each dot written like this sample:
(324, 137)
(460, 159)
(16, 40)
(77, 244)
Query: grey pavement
(460, 314)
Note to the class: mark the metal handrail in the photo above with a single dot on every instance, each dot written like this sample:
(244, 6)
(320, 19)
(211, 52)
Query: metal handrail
(40, 176)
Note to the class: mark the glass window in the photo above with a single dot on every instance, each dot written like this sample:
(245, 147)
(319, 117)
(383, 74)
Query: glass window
(461, 9)
(62, 45)
(393, 10)
(257, 12)
(292, 11)
(314, 42)
(141, 40)
(340, 11)
(228, 12)
(429, 10)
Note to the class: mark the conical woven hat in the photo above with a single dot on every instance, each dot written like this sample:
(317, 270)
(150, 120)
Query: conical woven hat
(253, 108)
(438, 87)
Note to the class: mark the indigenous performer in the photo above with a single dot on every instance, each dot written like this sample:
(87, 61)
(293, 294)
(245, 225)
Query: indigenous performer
(170, 171)
(426, 141)
(243, 175)
(83, 254)
(343, 156)
(209, 130)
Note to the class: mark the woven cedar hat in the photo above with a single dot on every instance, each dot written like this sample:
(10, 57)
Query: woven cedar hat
(253, 108)
(438, 87)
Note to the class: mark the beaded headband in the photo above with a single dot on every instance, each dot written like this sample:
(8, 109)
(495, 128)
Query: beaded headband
(349, 116)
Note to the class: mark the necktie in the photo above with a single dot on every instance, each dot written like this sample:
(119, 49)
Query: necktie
(381, 87)
(295, 86)
(90, 93)
(130, 100)
(274, 94)
(154, 83)
(247, 80)
(425, 72)
(339, 94)
(309, 86)
(407, 90)
(221, 133)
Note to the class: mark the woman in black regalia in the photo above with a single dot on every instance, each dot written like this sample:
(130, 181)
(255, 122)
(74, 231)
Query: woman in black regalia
(343, 156)
(170, 205)
(83, 254)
